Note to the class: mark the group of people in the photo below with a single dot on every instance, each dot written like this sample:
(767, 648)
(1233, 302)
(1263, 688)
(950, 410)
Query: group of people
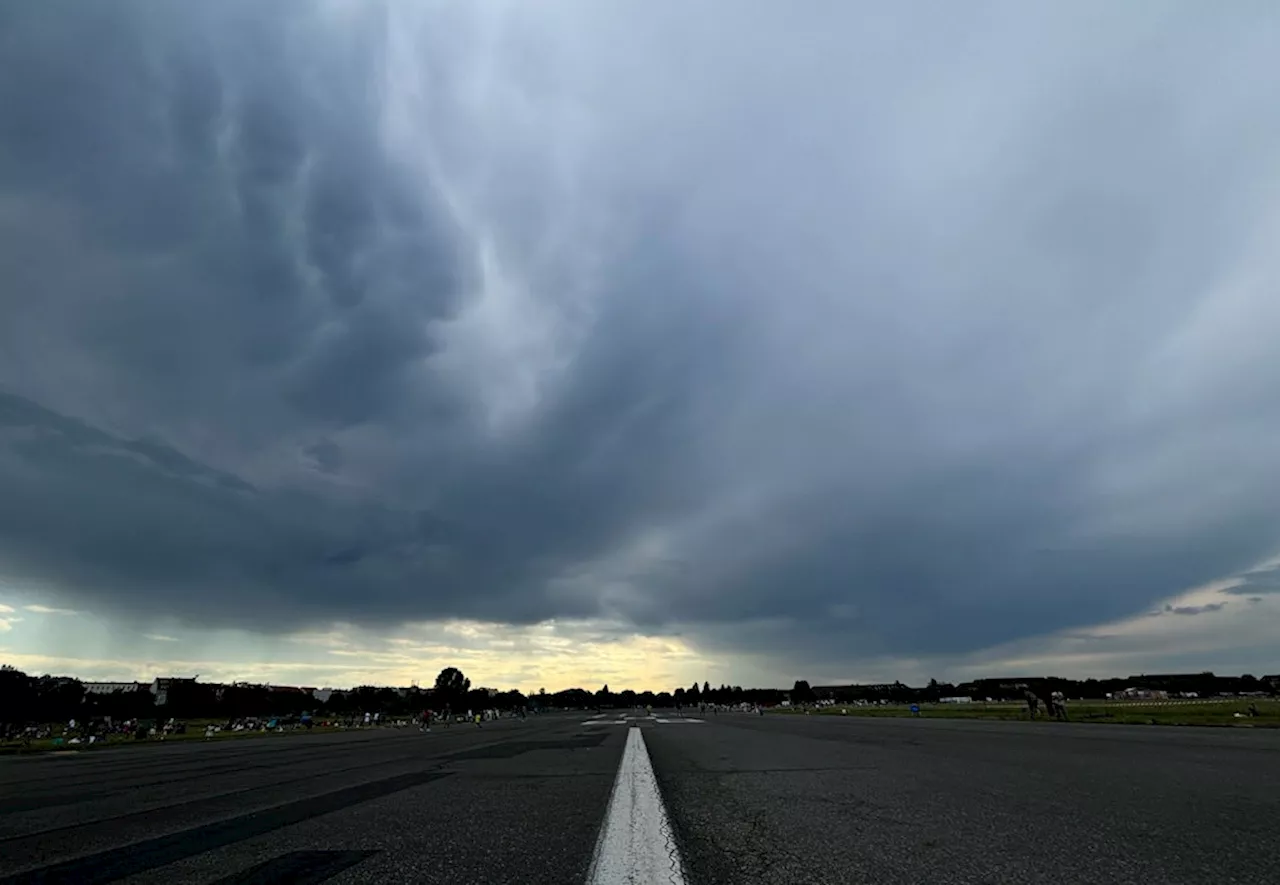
(448, 720)
(475, 717)
(1055, 707)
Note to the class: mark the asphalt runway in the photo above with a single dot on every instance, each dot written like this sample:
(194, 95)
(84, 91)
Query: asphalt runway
(576, 798)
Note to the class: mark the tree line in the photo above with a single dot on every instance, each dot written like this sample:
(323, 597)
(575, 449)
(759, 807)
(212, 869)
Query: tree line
(46, 698)
(33, 699)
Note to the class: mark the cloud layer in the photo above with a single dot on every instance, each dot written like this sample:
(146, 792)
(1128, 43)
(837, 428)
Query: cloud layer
(825, 334)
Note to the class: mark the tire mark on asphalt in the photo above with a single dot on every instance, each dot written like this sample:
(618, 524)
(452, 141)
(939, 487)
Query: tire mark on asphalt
(130, 860)
(298, 868)
(203, 798)
(114, 761)
(111, 781)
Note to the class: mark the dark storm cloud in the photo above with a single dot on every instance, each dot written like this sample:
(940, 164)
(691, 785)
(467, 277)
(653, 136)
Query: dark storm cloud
(1259, 581)
(1207, 608)
(907, 334)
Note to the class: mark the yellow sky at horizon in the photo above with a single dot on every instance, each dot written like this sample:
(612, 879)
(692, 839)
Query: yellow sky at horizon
(1211, 623)
(540, 656)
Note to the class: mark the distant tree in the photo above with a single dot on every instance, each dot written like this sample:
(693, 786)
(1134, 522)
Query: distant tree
(17, 697)
(694, 694)
(122, 704)
(801, 693)
(240, 701)
(478, 699)
(452, 687)
(706, 691)
(573, 699)
(58, 698)
(510, 700)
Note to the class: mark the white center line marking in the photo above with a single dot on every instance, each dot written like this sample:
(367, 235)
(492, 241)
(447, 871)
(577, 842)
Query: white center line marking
(636, 846)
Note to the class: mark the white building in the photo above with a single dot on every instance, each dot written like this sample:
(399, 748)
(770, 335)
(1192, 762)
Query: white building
(113, 687)
(1130, 694)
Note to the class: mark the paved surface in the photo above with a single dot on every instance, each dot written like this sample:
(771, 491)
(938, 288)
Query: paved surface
(750, 799)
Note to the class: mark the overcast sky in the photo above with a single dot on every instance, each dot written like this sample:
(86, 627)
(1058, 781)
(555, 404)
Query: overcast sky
(639, 341)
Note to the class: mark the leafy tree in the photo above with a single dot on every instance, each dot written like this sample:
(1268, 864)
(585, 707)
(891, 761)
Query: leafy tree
(57, 698)
(573, 699)
(187, 700)
(452, 687)
(121, 704)
(478, 699)
(801, 693)
(17, 697)
(510, 700)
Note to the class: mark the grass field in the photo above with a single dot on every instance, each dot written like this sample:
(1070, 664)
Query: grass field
(195, 732)
(1202, 712)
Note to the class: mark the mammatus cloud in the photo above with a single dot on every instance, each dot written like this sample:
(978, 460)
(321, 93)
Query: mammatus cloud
(915, 333)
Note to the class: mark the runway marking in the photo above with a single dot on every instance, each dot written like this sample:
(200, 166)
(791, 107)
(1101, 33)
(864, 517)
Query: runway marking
(605, 722)
(636, 844)
(677, 721)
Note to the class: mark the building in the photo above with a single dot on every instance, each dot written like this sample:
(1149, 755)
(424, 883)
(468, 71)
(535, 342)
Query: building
(861, 690)
(113, 687)
(290, 691)
(1135, 693)
(163, 686)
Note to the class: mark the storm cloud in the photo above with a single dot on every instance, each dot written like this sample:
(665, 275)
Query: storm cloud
(825, 332)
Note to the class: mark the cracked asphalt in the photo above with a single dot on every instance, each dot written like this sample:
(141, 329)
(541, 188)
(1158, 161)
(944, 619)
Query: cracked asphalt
(778, 799)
